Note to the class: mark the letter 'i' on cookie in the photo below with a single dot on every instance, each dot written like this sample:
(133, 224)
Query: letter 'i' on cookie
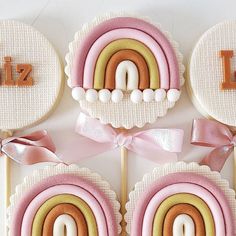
(228, 83)
(8, 81)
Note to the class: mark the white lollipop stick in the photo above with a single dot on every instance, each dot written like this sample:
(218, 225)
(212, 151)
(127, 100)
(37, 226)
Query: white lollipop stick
(234, 168)
(123, 197)
(7, 166)
(8, 179)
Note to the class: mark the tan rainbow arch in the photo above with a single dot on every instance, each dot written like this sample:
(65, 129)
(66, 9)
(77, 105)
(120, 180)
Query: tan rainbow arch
(108, 51)
(176, 199)
(39, 219)
(92, 57)
(64, 201)
(182, 199)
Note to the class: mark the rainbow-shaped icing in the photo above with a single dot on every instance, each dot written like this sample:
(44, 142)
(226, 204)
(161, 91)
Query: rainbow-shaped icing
(64, 200)
(126, 54)
(180, 201)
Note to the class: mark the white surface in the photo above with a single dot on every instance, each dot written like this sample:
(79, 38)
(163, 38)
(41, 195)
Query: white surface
(58, 20)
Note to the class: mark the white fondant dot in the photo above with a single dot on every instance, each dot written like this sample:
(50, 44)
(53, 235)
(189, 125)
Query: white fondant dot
(136, 96)
(148, 95)
(78, 93)
(91, 95)
(104, 95)
(69, 83)
(160, 95)
(117, 95)
(173, 95)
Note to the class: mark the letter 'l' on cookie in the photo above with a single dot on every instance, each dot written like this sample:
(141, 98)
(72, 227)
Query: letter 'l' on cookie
(228, 83)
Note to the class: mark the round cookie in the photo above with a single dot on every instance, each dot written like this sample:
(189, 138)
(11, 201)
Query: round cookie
(160, 202)
(211, 83)
(42, 204)
(121, 66)
(31, 76)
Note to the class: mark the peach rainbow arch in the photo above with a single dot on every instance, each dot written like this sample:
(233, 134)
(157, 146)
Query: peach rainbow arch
(119, 28)
(86, 200)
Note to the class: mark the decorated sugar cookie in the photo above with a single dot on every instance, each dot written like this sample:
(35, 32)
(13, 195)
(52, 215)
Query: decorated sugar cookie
(124, 70)
(31, 76)
(60, 197)
(212, 68)
(31, 81)
(211, 86)
(182, 199)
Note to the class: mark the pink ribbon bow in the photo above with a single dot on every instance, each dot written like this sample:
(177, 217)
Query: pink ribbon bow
(30, 149)
(211, 133)
(160, 145)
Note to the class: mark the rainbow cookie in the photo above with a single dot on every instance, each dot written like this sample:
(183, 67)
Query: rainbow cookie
(178, 197)
(211, 82)
(64, 196)
(125, 63)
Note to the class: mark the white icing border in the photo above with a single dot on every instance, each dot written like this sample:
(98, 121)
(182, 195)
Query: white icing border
(166, 169)
(80, 35)
(39, 175)
(104, 95)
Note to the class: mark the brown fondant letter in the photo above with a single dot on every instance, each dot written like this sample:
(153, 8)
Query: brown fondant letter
(24, 79)
(228, 83)
(8, 72)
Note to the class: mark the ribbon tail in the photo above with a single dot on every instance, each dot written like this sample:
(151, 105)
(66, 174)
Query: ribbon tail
(217, 158)
(158, 145)
(151, 151)
(29, 155)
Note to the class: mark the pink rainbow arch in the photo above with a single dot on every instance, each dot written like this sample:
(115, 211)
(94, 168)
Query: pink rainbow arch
(113, 35)
(128, 23)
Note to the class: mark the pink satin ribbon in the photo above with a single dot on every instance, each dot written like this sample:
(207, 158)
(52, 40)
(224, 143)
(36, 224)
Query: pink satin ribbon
(30, 149)
(159, 145)
(211, 133)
